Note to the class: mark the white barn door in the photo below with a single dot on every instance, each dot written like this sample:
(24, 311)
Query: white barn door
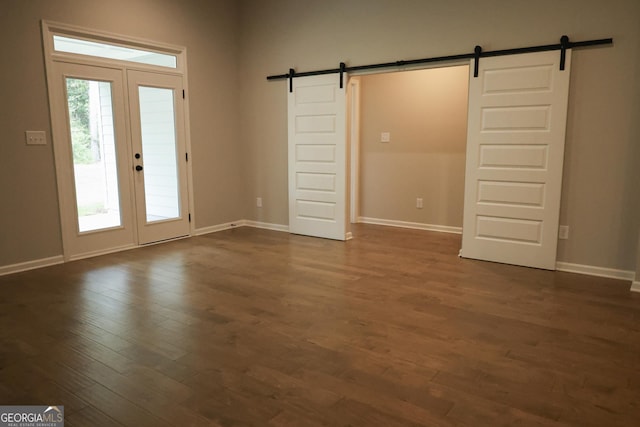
(317, 157)
(515, 153)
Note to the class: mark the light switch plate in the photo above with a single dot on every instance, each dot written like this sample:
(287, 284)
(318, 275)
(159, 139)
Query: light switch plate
(385, 137)
(35, 137)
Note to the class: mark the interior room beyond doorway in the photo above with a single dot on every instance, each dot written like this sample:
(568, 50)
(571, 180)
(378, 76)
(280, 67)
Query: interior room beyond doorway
(416, 178)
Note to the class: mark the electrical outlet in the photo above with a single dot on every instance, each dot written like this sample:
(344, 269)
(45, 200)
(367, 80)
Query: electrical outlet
(33, 137)
(563, 232)
(385, 137)
(259, 202)
(419, 203)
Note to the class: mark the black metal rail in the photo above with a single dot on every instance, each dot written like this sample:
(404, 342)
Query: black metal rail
(476, 55)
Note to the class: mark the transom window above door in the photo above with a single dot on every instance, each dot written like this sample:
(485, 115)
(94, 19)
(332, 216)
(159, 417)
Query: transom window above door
(63, 42)
(111, 51)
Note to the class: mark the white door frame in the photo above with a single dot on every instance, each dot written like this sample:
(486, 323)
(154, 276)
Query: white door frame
(353, 123)
(49, 29)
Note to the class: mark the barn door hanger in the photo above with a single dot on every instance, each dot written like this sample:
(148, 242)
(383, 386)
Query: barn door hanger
(476, 60)
(291, 75)
(563, 46)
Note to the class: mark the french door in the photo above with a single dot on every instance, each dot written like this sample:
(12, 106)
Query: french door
(120, 150)
(159, 155)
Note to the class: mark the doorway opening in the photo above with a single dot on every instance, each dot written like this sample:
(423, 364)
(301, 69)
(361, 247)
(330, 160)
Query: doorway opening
(408, 146)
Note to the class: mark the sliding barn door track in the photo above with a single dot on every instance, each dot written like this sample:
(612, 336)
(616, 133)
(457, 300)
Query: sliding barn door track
(477, 53)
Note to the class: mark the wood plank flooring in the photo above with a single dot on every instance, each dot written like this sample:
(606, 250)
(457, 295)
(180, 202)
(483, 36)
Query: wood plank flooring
(254, 327)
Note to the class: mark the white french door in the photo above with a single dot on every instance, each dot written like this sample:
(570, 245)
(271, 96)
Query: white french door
(120, 165)
(159, 155)
(317, 157)
(515, 154)
(92, 158)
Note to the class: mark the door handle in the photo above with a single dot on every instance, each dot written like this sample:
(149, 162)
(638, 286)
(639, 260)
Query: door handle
(138, 168)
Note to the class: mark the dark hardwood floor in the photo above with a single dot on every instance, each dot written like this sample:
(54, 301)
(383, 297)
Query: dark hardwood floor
(254, 327)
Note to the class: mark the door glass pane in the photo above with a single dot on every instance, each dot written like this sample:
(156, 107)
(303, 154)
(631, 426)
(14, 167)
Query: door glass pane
(157, 120)
(111, 51)
(94, 154)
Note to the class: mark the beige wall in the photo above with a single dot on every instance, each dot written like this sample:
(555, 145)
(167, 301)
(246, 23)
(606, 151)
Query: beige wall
(426, 113)
(29, 215)
(599, 200)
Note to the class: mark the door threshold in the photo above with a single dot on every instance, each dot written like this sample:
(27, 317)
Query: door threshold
(157, 242)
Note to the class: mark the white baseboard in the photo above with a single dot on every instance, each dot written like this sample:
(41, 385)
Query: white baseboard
(590, 270)
(279, 227)
(219, 227)
(241, 223)
(102, 252)
(266, 225)
(413, 225)
(635, 287)
(31, 265)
